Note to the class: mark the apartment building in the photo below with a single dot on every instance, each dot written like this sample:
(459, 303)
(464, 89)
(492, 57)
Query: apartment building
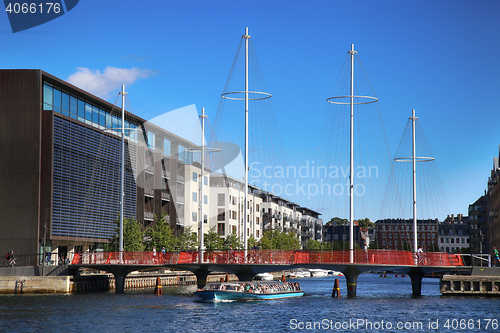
(393, 234)
(454, 234)
(226, 211)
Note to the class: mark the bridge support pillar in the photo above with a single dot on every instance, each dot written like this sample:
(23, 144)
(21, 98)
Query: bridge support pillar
(201, 277)
(120, 273)
(351, 278)
(416, 283)
(245, 276)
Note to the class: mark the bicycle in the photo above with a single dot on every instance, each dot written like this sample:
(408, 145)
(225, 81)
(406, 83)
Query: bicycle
(10, 263)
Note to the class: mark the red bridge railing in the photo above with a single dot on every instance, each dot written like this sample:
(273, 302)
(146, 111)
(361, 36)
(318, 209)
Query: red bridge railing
(281, 257)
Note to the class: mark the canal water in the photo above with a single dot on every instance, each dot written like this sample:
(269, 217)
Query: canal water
(382, 305)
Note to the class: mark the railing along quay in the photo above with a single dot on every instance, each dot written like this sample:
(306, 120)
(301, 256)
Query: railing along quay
(272, 257)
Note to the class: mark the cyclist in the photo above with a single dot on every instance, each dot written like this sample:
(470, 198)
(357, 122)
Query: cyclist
(10, 258)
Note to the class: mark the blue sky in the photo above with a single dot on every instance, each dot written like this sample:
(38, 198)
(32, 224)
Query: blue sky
(438, 57)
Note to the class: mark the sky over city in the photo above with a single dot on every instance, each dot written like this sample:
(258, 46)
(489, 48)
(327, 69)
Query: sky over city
(437, 57)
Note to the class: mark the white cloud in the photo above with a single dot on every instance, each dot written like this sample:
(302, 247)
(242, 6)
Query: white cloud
(111, 79)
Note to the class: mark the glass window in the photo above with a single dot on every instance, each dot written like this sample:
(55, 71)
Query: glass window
(127, 128)
(166, 146)
(195, 177)
(57, 99)
(221, 199)
(48, 97)
(81, 110)
(195, 217)
(195, 197)
(109, 120)
(151, 140)
(65, 102)
(73, 107)
(88, 112)
(133, 133)
(205, 200)
(102, 118)
(205, 180)
(95, 115)
(114, 126)
(181, 154)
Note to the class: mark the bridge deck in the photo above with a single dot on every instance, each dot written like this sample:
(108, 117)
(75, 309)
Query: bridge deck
(271, 257)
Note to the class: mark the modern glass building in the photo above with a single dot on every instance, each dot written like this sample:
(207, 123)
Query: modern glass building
(60, 167)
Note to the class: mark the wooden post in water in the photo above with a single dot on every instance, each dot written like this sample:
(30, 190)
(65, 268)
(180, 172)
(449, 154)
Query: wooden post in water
(158, 289)
(336, 289)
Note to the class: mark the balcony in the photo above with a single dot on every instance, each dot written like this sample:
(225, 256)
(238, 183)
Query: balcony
(180, 179)
(166, 174)
(180, 200)
(149, 192)
(492, 180)
(165, 196)
(149, 168)
(148, 216)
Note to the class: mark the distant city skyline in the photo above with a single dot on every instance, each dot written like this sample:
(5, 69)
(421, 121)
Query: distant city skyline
(436, 57)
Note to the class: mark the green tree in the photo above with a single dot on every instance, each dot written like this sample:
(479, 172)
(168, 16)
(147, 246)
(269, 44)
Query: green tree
(406, 246)
(133, 235)
(276, 239)
(213, 241)
(251, 242)
(161, 235)
(188, 241)
(344, 245)
(313, 244)
(365, 223)
(232, 241)
(338, 221)
(433, 248)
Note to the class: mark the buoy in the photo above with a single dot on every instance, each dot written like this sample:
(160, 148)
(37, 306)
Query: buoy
(396, 275)
(336, 289)
(158, 289)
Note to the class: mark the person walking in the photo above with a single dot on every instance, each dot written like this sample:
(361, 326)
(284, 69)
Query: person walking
(497, 259)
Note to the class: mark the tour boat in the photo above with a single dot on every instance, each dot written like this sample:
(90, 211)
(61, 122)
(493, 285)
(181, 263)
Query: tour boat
(246, 291)
(318, 272)
(264, 277)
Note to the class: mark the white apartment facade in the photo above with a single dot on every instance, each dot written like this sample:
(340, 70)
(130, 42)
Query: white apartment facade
(226, 212)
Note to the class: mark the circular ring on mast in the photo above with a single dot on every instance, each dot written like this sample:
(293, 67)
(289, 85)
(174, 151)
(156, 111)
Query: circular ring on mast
(259, 95)
(417, 159)
(207, 150)
(363, 100)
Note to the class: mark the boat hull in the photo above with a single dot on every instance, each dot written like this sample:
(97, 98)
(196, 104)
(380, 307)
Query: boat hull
(224, 295)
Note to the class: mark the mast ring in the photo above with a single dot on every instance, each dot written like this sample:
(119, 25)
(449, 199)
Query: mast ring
(259, 95)
(417, 159)
(364, 100)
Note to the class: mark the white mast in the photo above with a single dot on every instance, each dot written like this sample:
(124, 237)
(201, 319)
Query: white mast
(351, 168)
(122, 173)
(202, 179)
(414, 159)
(414, 163)
(245, 240)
